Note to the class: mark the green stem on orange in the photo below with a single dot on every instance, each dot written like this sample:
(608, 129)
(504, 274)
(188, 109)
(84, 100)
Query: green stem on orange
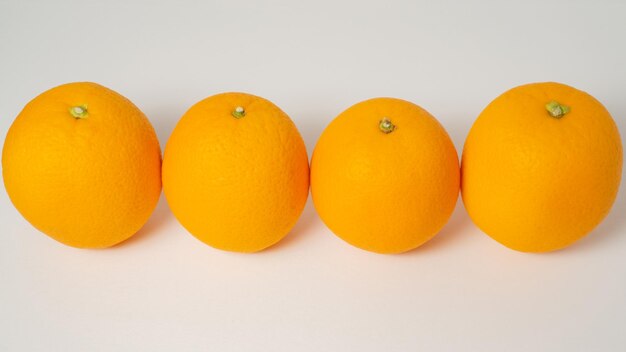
(556, 109)
(386, 126)
(79, 111)
(239, 112)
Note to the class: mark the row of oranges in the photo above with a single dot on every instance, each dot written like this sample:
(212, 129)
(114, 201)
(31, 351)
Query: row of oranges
(541, 168)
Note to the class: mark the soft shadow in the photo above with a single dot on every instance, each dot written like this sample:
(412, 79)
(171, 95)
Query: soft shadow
(615, 222)
(608, 231)
(158, 219)
(310, 125)
(459, 221)
(303, 227)
(163, 119)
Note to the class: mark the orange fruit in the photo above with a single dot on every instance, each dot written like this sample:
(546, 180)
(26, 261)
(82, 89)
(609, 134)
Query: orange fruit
(541, 167)
(82, 164)
(385, 176)
(236, 172)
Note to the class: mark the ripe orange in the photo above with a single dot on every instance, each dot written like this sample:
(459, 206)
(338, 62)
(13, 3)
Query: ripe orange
(385, 176)
(236, 172)
(541, 167)
(82, 164)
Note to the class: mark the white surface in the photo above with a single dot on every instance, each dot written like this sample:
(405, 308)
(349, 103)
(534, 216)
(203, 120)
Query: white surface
(165, 291)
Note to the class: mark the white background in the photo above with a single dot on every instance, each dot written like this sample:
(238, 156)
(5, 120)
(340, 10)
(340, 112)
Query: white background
(163, 290)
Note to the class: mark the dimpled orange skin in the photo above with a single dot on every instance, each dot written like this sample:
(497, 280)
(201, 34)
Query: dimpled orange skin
(237, 184)
(536, 183)
(385, 192)
(87, 182)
